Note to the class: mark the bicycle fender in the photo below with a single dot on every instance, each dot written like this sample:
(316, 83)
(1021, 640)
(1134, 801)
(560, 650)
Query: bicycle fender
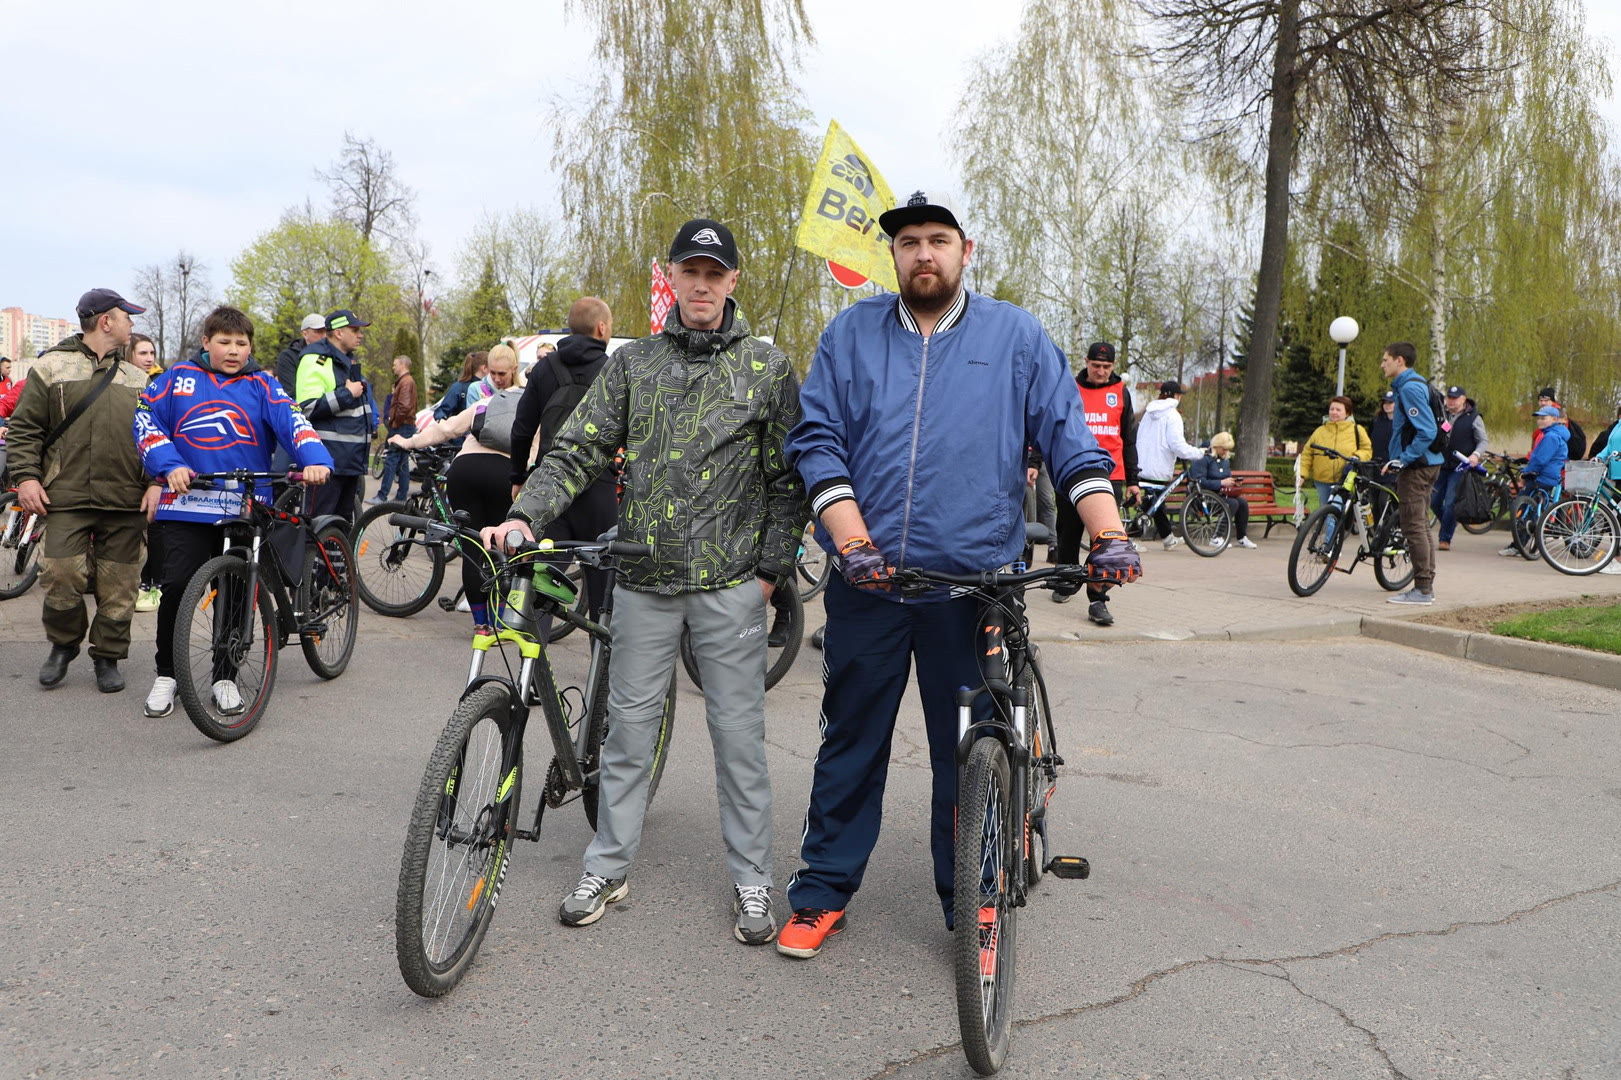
(520, 711)
(329, 519)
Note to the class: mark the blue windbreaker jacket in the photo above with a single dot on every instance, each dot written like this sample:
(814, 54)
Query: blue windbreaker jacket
(929, 435)
(1547, 463)
(1412, 425)
(207, 421)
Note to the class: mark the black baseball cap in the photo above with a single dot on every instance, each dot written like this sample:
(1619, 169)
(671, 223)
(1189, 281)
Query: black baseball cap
(1547, 392)
(707, 237)
(344, 317)
(97, 301)
(1455, 391)
(1171, 386)
(1100, 350)
(920, 206)
(1390, 395)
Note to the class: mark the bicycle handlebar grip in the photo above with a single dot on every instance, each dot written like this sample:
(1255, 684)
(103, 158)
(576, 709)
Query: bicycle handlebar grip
(627, 550)
(406, 521)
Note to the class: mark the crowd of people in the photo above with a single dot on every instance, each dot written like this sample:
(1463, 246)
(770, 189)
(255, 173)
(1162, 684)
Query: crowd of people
(699, 442)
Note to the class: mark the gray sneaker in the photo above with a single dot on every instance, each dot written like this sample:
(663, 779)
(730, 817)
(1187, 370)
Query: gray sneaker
(755, 923)
(1413, 596)
(591, 898)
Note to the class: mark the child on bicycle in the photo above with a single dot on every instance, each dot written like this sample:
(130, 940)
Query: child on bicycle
(217, 412)
(1543, 472)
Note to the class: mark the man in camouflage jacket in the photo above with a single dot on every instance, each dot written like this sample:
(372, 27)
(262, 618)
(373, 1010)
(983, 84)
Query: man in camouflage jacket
(88, 483)
(702, 410)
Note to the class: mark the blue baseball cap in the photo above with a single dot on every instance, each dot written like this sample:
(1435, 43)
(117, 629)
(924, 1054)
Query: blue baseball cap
(97, 301)
(344, 317)
(1548, 410)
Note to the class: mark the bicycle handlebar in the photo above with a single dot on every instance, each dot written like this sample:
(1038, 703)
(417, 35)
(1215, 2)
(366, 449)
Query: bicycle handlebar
(623, 549)
(911, 577)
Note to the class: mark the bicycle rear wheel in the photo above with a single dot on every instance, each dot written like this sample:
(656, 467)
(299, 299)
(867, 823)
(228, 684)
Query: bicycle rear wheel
(779, 658)
(329, 601)
(813, 565)
(1207, 524)
(984, 906)
(1578, 536)
(397, 575)
(1316, 550)
(1481, 528)
(224, 650)
(458, 843)
(591, 760)
(20, 543)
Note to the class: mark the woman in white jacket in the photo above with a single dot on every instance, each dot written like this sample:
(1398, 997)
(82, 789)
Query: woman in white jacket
(1160, 441)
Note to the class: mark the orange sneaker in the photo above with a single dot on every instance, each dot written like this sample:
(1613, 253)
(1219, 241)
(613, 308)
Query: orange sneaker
(989, 938)
(807, 931)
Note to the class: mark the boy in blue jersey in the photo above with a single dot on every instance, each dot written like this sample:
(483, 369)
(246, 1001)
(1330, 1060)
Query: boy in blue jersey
(216, 412)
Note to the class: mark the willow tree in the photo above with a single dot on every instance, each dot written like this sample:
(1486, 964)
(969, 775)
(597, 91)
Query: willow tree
(1357, 72)
(694, 115)
(1054, 153)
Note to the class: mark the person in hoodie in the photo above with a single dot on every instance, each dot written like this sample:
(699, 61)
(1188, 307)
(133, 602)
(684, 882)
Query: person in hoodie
(1545, 469)
(1339, 433)
(1160, 441)
(1413, 431)
(337, 400)
(216, 412)
(701, 409)
(562, 376)
(1112, 417)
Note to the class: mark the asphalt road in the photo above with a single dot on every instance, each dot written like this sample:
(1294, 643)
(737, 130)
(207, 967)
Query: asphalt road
(1330, 860)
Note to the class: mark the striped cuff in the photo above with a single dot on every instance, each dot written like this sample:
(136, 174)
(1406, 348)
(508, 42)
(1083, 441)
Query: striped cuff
(1088, 482)
(828, 492)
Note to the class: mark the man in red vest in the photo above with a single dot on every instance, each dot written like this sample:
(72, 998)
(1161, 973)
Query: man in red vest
(1113, 419)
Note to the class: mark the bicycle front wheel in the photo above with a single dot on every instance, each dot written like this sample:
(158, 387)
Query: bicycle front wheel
(1578, 536)
(224, 650)
(1316, 550)
(1043, 777)
(984, 908)
(458, 843)
(329, 602)
(21, 537)
(1207, 524)
(813, 565)
(1522, 516)
(396, 572)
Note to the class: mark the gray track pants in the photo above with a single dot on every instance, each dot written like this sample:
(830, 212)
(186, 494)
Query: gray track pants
(728, 638)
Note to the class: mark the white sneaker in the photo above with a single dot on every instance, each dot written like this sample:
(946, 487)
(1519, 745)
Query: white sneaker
(1171, 542)
(1510, 552)
(463, 605)
(1612, 567)
(1245, 542)
(148, 599)
(1132, 544)
(227, 697)
(160, 702)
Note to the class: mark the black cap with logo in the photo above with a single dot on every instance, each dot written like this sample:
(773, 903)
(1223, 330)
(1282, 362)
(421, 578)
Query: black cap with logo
(1455, 391)
(707, 237)
(1100, 350)
(97, 301)
(344, 317)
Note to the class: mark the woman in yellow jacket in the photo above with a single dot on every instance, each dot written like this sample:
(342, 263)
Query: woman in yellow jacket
(1339, 433)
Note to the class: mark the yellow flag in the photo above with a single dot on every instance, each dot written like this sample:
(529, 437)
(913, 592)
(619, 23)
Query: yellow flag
(840, 221)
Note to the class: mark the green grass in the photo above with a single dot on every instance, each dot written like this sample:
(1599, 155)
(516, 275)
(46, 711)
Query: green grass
(1597, 628)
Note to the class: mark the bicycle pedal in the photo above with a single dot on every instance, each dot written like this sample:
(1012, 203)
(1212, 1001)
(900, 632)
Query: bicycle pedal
(1069, 867)
(1055, 760)
(446, 604)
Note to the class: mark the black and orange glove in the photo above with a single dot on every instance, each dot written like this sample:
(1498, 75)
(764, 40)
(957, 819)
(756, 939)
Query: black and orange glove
(1113, 559)
(863, 565)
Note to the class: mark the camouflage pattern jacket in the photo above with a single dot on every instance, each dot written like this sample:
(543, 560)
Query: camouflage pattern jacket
(702, 416)
(94, 465)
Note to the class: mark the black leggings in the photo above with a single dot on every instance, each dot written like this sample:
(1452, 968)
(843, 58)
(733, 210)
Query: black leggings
(480, 484)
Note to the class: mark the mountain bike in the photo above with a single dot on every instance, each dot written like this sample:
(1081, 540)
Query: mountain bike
(281, 575)
(1358, 504)
(466, 816)
(1525, 513)
(1580, 533)
(22, 535)
(1203, 519)
(1503, 480)
(786, 615)
(1007, 772)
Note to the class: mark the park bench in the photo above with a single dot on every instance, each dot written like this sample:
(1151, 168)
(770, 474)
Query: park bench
(1259, 489)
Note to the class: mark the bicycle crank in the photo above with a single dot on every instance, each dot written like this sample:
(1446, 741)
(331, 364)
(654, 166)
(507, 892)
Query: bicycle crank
(1069, 867)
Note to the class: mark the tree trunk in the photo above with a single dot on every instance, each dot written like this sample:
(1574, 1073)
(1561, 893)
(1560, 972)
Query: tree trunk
(1255, 410)
(1438, 304)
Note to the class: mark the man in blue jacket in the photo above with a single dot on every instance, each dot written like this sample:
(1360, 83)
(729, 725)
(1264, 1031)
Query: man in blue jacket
(1412, 432)
(917, 414)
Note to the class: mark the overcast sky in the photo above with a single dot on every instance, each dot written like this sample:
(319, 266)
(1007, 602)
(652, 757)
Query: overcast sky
(136, 130)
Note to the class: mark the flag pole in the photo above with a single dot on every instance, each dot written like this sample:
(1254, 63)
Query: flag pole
(792, 259)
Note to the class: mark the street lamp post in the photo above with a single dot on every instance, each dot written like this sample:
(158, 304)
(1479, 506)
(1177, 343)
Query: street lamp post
(1343, 330)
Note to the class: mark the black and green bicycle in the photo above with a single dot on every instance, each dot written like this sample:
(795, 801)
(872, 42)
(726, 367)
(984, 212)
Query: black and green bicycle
(466, 816)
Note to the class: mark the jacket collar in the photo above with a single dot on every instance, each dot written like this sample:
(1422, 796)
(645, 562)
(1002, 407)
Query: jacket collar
(951, 318)
(733, 328)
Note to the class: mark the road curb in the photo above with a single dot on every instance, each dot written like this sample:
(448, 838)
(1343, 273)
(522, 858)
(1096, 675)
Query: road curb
(1536, 657)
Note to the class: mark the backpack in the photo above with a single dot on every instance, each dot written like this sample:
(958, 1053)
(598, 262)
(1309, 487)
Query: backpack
(1472, 505)
(572, 383)
(1443, 426)
(492, 427)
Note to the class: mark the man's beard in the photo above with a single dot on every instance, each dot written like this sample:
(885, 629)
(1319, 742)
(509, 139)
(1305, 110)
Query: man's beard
(933, 293)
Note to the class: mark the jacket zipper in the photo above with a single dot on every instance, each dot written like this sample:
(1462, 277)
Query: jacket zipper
(911, 466)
